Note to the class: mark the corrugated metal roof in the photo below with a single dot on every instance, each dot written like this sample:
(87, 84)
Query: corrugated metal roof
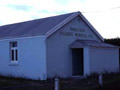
(91, 43)
(31, 28)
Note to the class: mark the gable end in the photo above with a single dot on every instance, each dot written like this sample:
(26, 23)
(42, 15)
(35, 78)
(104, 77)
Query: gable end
(67, 20)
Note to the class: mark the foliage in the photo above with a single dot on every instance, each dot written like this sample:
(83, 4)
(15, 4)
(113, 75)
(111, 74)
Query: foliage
(114, 41)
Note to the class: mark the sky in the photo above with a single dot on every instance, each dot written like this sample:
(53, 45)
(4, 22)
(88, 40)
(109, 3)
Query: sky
(104, 15)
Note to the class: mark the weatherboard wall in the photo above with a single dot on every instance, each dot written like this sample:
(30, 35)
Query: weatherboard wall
(59, 55)
(31, 58)
(103, 59)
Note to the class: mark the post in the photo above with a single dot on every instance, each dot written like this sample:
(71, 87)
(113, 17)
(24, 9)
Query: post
(56, 84)
(100, 80)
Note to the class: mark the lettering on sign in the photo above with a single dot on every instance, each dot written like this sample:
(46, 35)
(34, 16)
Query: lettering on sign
(76, 29)
(76, 32)
(80, 35)
(66, 33)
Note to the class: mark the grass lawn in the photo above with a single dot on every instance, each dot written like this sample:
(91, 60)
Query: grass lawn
(111, 81)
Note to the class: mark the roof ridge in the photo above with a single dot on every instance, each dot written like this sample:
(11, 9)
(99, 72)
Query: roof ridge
(36, 19)
(32, 27)
(61, 23)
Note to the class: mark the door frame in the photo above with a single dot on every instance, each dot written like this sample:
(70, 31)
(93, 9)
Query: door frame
(82, 61)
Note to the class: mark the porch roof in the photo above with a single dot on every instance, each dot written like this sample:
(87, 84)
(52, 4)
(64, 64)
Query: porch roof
(91, 43)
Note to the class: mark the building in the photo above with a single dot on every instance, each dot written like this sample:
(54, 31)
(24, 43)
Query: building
(66, 45)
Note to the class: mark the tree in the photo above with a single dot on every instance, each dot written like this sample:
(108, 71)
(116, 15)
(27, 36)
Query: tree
(113, 41)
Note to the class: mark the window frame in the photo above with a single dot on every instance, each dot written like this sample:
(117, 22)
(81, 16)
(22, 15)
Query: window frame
(13, 52)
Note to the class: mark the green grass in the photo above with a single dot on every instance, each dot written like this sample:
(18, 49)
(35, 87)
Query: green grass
(89, 83)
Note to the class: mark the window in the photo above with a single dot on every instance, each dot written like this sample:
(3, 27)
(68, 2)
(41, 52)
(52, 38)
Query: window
(13, 52)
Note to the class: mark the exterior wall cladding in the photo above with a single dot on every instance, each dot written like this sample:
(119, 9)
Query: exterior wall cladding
(104, 59)
(31, 58)
(59, 57)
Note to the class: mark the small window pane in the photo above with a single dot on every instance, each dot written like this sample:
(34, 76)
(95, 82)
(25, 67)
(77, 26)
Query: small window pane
(16, 54)
(12, 52)
(13, 44)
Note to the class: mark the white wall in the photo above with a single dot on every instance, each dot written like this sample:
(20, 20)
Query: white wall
(104, 59)
(31, 58)
(59, 57)
(86, 61)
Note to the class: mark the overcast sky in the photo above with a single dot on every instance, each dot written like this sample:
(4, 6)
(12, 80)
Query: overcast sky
(104, 15)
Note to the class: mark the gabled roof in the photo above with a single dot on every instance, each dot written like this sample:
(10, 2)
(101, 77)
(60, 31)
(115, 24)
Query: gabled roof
(45, 26)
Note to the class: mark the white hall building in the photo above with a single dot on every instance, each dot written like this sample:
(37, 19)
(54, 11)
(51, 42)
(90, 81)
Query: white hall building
(64, 46)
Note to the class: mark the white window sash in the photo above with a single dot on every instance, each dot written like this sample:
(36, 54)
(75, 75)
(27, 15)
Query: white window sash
(14, 51)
